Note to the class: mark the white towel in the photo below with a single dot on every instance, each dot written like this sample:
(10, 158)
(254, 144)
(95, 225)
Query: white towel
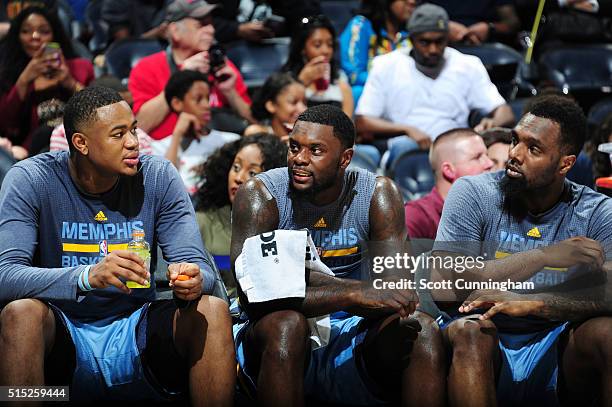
(272, 266)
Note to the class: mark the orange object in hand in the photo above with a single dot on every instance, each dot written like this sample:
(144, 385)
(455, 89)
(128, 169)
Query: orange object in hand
(183, 277)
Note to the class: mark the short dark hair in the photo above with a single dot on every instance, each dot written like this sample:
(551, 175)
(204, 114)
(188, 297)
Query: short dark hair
(179, 84)
(82, 106)
(271, 88)
(330, 115)
(497, 135)
(568, 115)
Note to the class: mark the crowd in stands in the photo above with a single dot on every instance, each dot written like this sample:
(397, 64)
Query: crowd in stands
(407, 73)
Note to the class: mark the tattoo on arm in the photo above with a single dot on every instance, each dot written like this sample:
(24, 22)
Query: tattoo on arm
(566, 309)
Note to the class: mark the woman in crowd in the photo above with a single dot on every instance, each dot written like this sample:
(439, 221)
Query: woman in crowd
(379, 28)
(224, 172)
(37, 66)
(311, 60)
(277, 105)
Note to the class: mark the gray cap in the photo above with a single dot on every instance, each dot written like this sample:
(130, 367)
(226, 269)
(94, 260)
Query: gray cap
(428, 17)
(180, 9)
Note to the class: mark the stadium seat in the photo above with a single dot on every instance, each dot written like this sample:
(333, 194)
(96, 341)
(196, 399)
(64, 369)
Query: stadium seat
(598, 112)
(6, 162)
(582, 171)
(502, 63)
(412, 172)
(81, 50)
(98, 27)
(361, 160)
(123, 55)
(339, 12)
(585, 71)
(517, 106)
(258, 61)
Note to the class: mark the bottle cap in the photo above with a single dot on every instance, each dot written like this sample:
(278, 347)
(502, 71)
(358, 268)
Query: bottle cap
(138, 233)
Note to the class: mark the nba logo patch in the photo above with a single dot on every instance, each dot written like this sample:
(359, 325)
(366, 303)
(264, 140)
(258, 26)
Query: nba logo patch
(103, 248)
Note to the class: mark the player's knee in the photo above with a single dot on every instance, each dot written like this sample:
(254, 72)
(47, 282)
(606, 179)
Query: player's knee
(22, 313)
(284, 336)
(473, 339)
(22, 316)
(215, 310)
(431, 338)
(600, 330)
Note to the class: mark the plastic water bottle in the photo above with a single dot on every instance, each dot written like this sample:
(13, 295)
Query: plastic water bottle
(140, 246)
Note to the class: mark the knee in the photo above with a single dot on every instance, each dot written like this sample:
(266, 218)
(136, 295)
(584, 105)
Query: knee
(284, 335)
(22, 315)
(215, 311)
(430, 335)
(472, 339)
(600, 338)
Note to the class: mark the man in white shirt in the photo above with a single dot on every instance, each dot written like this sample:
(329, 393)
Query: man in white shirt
(428, 90)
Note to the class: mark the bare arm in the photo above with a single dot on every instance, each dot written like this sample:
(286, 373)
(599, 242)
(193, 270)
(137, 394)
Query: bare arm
(373, 125)
(567, 306)
(500, 117)
(239, 105)
(503, 116)
(370, 124)
(348, 104)
(152, 113)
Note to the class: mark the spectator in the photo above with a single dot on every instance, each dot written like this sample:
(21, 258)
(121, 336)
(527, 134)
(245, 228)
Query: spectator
(224, 172)
(191, 141)
(429, 90)
(31, 72)
(9, 9)
(191, 33)
(478, 21)
(312, 61)
(454, 154)
(379, 29)
(136, 18)
(240, 19)
(277, 106)
(498, 141)
(70, 308)
(601, 161)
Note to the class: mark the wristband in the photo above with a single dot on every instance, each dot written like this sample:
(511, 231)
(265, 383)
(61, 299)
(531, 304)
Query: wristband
(83, 282)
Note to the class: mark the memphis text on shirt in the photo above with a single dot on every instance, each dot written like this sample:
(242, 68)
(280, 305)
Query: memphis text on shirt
(84, 243)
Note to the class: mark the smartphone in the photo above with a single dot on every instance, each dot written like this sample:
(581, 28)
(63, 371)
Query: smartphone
(53, 48)
(216, 58)
(275, 23)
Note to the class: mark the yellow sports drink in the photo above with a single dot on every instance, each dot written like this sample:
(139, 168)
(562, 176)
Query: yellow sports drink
(139, 245)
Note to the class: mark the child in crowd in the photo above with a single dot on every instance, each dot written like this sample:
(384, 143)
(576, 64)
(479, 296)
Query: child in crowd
(277, 105)
(192, 141)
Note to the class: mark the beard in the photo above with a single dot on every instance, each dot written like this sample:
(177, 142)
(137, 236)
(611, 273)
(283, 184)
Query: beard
(320, 182)
(512, 188)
